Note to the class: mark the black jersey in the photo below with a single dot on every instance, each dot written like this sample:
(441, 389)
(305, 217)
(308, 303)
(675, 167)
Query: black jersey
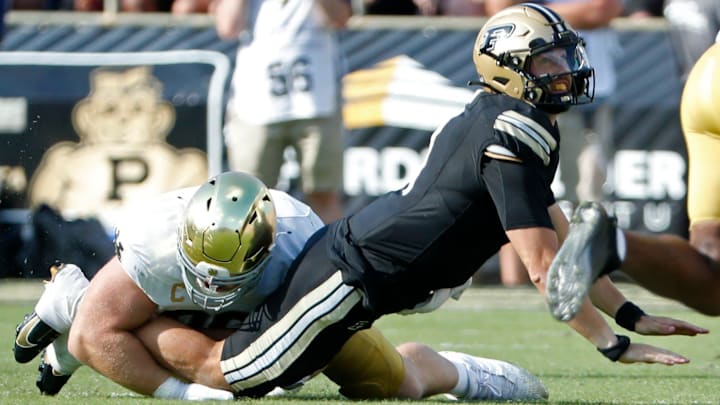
(488, 170)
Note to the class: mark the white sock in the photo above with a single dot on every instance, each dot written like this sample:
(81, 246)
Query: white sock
(58, 304)
(173, 388)
(460, 389)
(59, 357)
(621, 244)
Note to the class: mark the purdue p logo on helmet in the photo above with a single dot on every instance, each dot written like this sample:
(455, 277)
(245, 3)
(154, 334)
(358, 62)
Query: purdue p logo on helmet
(225, 238)
(508, 42)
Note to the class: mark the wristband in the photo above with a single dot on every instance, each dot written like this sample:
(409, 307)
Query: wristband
(615, 352)
(628, 314)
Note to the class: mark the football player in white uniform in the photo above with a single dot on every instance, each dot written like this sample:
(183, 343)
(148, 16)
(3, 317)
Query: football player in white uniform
(235, 242)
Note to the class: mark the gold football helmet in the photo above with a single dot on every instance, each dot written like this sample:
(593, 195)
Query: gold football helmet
(508, 42)
(225, 238)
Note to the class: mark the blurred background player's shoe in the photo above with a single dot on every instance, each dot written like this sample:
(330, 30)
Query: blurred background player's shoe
(32, 335)
(495, 380)
(49, 381)
(589, 251)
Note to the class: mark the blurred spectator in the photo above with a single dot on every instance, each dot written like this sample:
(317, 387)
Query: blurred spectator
(391, 7)
(88, 5)
(644, 8)
(286, 93)
(29, 4)
(139, 6)
(462, 7)
(193, 6)
(425, 7)
(4, 6)
(693, 27)
(587, 130)
(131, 6)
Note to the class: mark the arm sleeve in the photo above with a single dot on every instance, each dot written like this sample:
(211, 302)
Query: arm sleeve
(519, 193)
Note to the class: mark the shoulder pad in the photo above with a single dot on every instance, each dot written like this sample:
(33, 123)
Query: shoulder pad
(527, 131)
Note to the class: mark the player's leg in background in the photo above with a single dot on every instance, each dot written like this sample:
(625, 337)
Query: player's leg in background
(255, 149)
(319, 144)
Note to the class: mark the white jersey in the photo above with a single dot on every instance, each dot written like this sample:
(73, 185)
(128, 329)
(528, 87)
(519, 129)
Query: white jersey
(147, 248)
(288, 64)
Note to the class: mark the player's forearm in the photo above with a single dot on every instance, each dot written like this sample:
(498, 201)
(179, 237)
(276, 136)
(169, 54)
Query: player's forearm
(588, 322)
(119, 356)
(186, 352)
(592, 326)
(606, 296)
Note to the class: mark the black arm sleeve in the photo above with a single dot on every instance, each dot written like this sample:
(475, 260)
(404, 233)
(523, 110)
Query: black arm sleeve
(519, 192)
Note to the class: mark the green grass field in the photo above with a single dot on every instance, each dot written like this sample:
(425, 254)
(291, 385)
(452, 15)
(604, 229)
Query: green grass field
(509, 324)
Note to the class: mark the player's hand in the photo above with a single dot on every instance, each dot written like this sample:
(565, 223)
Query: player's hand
(651, 325)
(642, 353)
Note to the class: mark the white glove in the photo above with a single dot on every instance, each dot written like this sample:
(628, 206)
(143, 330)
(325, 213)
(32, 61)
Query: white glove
(438, 298)
(282, 391)
(199, 392)
(173, 388)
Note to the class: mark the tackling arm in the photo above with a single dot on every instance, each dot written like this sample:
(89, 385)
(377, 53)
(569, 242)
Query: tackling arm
(101, 335)
(187, 352)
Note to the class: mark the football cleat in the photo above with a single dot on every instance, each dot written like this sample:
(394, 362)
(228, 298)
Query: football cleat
(49, 381)
(495, 380)
(588, 252)
(32, 335)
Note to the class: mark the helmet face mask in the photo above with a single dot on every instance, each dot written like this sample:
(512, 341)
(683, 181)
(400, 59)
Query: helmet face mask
(514, 40)
(211, 288)
(225, 239)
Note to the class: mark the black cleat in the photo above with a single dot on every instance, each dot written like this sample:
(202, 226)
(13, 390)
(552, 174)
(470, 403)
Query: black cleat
(49, 382)
(588, 252)
(32, 335)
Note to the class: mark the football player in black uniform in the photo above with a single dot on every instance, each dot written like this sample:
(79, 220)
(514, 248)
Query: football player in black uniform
(486, 181)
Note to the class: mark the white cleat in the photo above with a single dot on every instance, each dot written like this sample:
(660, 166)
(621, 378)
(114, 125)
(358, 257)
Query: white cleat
(495, 380)
(589, 251)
